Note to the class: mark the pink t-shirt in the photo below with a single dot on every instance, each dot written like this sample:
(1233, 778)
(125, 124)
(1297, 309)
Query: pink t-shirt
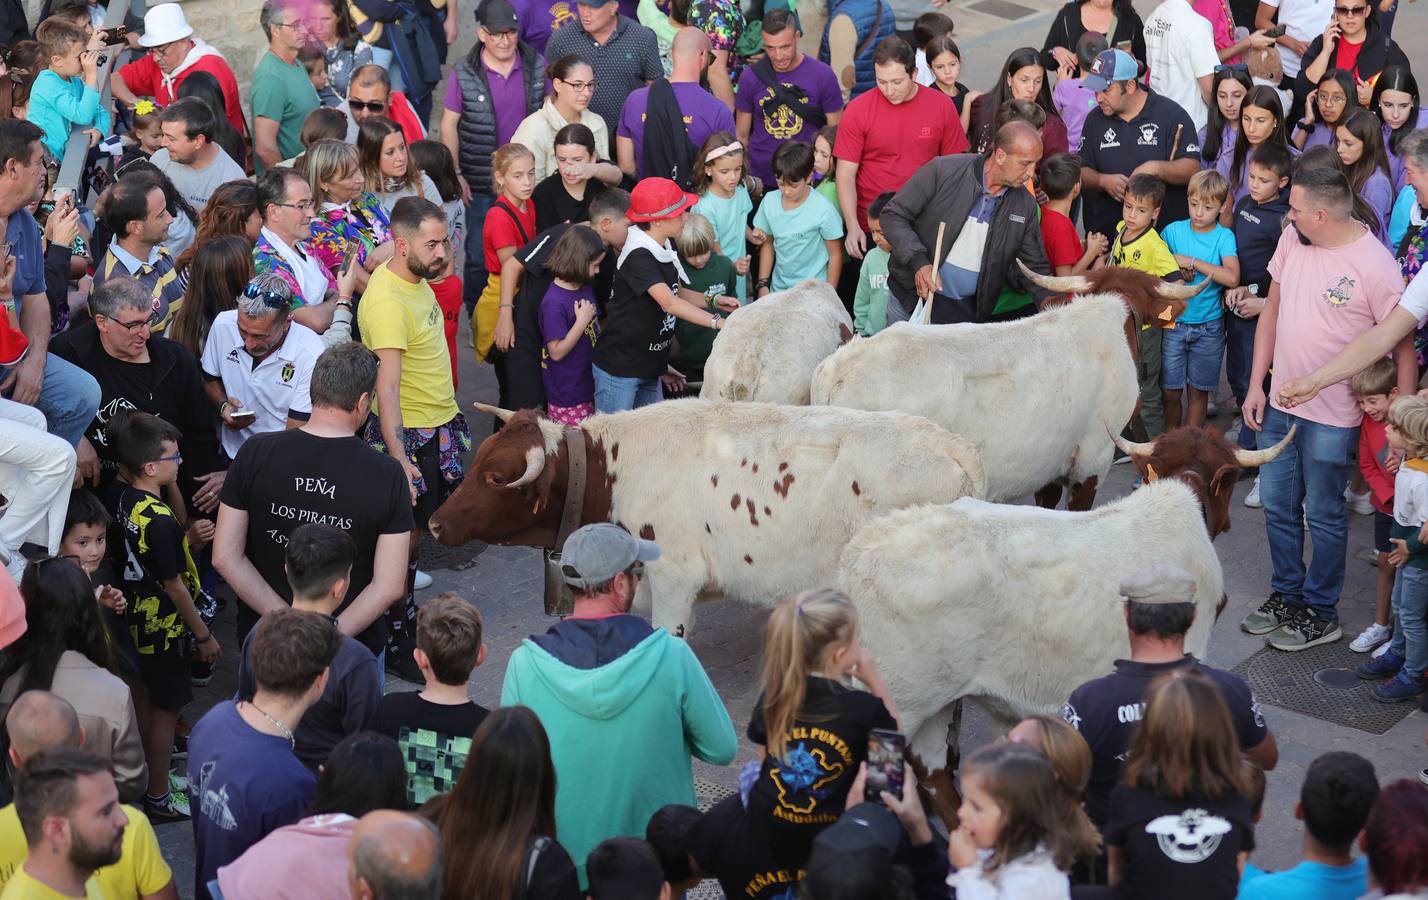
(1328, 297)
(1221, 20)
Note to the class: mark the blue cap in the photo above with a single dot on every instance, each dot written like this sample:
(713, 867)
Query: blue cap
(1110, 66)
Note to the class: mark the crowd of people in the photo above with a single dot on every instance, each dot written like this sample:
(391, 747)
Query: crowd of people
(228, 368)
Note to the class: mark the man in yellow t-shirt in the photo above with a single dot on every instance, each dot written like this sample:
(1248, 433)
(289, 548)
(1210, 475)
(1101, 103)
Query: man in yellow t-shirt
(415, 419)
(39, 721)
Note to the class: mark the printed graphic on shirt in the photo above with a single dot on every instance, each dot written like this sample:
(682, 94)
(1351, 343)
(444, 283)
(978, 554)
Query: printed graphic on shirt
(1110, 139)
(434, 762)
(1073, 718)
(561, 15)
(764, 881)
(1340, 292)
(214, 803)
(804, 771)
(1191, 837)
(1149, 135)
(780, 121)
(151, 534)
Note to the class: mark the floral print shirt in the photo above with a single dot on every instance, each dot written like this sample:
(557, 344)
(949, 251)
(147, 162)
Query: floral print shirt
(723, 22)
(266, 258)
(363, 221)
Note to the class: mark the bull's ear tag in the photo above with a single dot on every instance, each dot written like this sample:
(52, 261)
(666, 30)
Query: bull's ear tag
(1165, 315)
(1150, 473)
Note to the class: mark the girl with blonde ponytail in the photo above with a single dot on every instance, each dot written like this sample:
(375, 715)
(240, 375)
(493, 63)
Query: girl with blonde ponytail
(813, 725)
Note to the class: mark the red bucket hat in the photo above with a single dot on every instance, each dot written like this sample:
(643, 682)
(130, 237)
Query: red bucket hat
(654, 199)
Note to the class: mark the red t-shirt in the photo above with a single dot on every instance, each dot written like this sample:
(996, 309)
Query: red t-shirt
(1347, 56)
(500, 231)
(142, 76)
(448, 298)
(1063, 244)
(891, 141)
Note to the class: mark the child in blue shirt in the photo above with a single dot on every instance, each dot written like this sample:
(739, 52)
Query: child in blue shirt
(67, 93)
(1194, 348)
(805, 230)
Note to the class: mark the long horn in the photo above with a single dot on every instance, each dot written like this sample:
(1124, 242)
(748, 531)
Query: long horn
(535, 462)
(1130, 448)
(1251, 458)
(503, 414)
(1060, 284)
(1176, 291)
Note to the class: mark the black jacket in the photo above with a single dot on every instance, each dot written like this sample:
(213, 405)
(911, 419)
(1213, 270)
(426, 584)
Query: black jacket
(943, 190)
(1066, 30)
(1378, 53)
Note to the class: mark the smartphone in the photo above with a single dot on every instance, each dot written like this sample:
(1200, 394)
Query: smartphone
(1276, 31)
(885, 764)
(115, 35)
(237, 414)
(353, 248)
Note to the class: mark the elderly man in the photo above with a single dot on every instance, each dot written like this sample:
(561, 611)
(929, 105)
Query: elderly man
(991, 223)
(138, 369)
(656, 117)
(257, 364)
(787, 96)
(282, 94)
(1331, 281)
(66, 395)
(171, 54)
(189, 158)
(73, 824)
(370, 96)
(136, 211)
(1159, 610)
(321, 300)
(394, 856)
(622, 52)
(620, 663)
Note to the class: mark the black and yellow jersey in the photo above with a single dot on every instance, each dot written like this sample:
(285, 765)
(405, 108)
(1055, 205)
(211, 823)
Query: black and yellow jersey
(149, 548)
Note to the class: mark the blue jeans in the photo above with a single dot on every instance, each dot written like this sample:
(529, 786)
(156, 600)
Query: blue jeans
(1239, 358)
(473, 270)
(69, 398)
(1190, 354)
(1410, 637)
(1311, 471)
(616, 394)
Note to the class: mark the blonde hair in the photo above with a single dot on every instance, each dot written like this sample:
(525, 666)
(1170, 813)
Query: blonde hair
(797, 637)
(1207, 184)
(1036, 807)
(502, 159)
(697, 237)
(1409, 415)
(327, 160)
(1379, 378)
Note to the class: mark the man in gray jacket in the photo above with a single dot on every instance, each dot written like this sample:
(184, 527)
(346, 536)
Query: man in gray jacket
(991, 222)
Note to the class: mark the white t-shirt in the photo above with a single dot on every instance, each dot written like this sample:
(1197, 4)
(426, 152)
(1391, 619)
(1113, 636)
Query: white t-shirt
(1179, 50)
(1415, 297)
(1303, 20)
(274, 388)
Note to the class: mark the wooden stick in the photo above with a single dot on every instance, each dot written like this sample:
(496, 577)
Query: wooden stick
(1175, 142)
(936, 266)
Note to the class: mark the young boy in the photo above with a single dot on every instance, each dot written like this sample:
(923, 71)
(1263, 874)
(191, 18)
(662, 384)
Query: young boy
(152, 551)
(319, 567)
(712, 274)
(86, 541)
(625, 868)
(805, 230)
(1072, 100)
(1205, 251)
(1404, 662)
(315, 61)
(434, 726)
(67, 93)
(870, 303)
(1061, 182)
(1376, 388)
(1334, 802)
(668, 835)
(1138, 246)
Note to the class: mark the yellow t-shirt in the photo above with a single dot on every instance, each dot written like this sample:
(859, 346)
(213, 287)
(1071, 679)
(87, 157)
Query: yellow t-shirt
(1148, 253)
(140, 870)
(396, 314)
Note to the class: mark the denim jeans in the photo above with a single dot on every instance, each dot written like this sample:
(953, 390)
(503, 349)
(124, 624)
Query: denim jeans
(473, 270)
(1410, 599)
(1311, 471)
(69, 398)
(616, 394)
(1239, 359)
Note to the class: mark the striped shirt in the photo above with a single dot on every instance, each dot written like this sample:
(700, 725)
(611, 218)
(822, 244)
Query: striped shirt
(157, 275)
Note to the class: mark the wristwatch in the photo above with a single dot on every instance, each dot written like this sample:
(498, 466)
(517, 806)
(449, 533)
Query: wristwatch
(1307, 128)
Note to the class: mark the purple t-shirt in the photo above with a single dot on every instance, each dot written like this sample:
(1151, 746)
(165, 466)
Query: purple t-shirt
(811, 80)
(508, 98)
(1073, 102)
(539, 18)
(703, 115)
(569, 381)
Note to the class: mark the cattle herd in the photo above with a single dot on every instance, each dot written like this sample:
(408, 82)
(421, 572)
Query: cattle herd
(888, 467)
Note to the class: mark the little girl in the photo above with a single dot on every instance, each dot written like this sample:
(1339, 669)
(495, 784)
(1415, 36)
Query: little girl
(1020, 829)
(825, 167)
(433, 158)
(813, 727)
(724, 200)
(509, 226)
(567, 326)
(144, 137)
(945, 60)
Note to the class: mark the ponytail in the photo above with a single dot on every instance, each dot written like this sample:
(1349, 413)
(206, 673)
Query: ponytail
(799, 633)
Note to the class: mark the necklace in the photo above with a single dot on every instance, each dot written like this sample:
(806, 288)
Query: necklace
(287, 732)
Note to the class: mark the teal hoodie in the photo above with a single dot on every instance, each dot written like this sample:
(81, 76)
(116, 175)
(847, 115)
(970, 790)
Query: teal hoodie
(622, 732)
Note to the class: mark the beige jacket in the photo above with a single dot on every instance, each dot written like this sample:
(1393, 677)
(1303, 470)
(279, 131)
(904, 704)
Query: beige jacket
(538, 130)
(106, 713)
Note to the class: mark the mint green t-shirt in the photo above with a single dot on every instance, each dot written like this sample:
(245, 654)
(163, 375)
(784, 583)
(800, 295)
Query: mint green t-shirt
(870, 303)
(798, 235)
(285, 94)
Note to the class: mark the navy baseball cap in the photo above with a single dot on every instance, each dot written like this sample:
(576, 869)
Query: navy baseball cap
(1111, 66)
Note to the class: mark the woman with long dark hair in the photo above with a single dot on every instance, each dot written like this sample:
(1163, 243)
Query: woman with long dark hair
(565, 195)
(1332, 99)
(1359, 142)
(233, 209)
(1117, 19)
(66, 650)
(221, 268)
(1217, 138)
(1261, 121)
(387, 169)
(1023, 77)
(234, 142)
(1399, 107)
(498, 824)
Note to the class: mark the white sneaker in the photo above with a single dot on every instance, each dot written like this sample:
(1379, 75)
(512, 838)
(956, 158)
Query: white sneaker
(1382, 649)
(1371, 637)
(1358, 503)
(1212, 408)
(178, 784)
(421, 582)
(1252, 498)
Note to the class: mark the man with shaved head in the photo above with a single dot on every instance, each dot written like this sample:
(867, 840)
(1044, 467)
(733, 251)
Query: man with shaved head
(662, 126)
(394, 856)
(38, 723)
(991, 222)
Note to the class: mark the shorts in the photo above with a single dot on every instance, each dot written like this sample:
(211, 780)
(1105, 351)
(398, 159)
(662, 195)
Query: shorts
(569, 415)
(1382, 523)
(166, 676)
(1192, 354)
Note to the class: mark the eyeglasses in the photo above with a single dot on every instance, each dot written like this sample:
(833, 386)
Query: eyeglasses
(502, 36)
(580, 86)
(271, 299)
(130, 327)
(305, 205)
(636, 571)
(1331, 99)
(371, 106)
(297, 24)
(1351, 10)
(177, 458)
(163, 48)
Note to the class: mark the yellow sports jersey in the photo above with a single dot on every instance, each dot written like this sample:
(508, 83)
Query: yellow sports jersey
(141, 869)
(1148, 253)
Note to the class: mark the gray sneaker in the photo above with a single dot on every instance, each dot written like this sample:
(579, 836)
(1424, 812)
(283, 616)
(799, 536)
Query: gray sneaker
(1272, 614)
(1305, 631)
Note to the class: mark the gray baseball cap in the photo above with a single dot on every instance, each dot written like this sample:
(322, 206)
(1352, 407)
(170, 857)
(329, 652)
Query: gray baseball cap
(1159, 584)
(596, 553)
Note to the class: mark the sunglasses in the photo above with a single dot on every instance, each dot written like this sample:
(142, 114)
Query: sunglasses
(360, 105)
(1351, 10)
(1232, 67)
(271, 299)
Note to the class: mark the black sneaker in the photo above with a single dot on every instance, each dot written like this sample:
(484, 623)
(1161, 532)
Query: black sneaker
(400, 662)
(180, 747)
(1271, 615)
(1307, 630)
(171, 808)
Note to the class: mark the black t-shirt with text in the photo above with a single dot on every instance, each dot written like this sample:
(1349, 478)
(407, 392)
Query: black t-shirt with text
(637, 334)
(284, 479)
(148, 547)
(1112, 146)
(1184, 849)
(806, 790)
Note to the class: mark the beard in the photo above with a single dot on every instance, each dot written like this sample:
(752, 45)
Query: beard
(88, 857)
(427, 270)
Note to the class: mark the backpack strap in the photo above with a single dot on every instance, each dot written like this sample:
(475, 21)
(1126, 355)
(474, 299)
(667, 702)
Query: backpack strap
(764, 70)
(520, 229)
